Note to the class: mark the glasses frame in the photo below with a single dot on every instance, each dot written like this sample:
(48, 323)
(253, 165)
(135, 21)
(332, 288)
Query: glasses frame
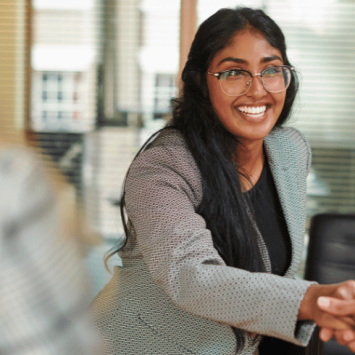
(218, 76)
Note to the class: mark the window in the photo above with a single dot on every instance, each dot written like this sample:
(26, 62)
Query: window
(64, 61)
(165, 89)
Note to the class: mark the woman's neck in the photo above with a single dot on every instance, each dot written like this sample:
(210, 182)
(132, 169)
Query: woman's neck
(251, 160)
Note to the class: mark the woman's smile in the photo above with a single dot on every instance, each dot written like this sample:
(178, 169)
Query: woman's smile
(256, 113)
(253, 111)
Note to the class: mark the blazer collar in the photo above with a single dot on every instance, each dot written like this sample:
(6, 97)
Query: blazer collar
(287, 181)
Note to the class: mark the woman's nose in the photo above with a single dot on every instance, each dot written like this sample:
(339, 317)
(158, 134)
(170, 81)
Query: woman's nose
(257, 89)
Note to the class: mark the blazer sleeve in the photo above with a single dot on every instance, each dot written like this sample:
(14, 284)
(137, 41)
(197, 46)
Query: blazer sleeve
(163, 189)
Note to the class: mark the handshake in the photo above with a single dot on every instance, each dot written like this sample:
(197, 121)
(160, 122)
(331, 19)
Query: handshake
(332, 308)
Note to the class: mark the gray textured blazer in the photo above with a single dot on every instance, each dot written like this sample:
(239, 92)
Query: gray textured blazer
(174, 293)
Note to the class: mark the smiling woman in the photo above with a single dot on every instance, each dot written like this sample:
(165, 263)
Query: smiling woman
(215, 204)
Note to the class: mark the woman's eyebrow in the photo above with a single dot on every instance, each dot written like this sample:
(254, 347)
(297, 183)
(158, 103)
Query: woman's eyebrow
(231, 59)
(243, 61)
(270, 59)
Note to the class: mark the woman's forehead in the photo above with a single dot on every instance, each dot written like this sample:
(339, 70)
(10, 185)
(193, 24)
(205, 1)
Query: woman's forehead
(246, 47)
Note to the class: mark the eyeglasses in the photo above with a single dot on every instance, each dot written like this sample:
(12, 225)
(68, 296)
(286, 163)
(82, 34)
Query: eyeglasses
(237, 82)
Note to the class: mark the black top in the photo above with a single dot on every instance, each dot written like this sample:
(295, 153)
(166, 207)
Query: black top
(272, 226)
(271, 221)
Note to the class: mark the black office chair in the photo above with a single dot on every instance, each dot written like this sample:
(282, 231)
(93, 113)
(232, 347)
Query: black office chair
(331, 257)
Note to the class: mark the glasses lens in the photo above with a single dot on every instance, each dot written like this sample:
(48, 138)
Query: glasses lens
(235, 82)
(277, 79)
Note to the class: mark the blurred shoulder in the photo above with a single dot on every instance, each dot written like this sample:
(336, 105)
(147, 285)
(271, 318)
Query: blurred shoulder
(23, 181)
(18, 164)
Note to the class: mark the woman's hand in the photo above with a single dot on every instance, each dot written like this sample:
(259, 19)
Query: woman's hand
(343, 337)
(332, 301)
(337, 317)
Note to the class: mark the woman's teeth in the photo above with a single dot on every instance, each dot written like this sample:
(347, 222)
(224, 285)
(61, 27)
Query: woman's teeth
(255, 111)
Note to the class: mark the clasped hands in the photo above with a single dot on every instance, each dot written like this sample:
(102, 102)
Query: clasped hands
(332, 308)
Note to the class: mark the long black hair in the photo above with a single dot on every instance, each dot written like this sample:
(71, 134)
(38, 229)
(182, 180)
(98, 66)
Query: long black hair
(223, 206)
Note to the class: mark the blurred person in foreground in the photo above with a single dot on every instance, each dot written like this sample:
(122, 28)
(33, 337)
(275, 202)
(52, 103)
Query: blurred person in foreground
(44, 290)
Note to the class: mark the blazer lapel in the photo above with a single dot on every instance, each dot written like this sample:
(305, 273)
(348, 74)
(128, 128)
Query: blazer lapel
(288, 182)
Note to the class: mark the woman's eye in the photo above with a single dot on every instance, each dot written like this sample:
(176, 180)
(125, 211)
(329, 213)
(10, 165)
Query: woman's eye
(272, 71)
(234, 74)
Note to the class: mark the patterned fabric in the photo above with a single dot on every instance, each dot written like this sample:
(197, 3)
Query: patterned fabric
(43, 298)
(174, 294)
